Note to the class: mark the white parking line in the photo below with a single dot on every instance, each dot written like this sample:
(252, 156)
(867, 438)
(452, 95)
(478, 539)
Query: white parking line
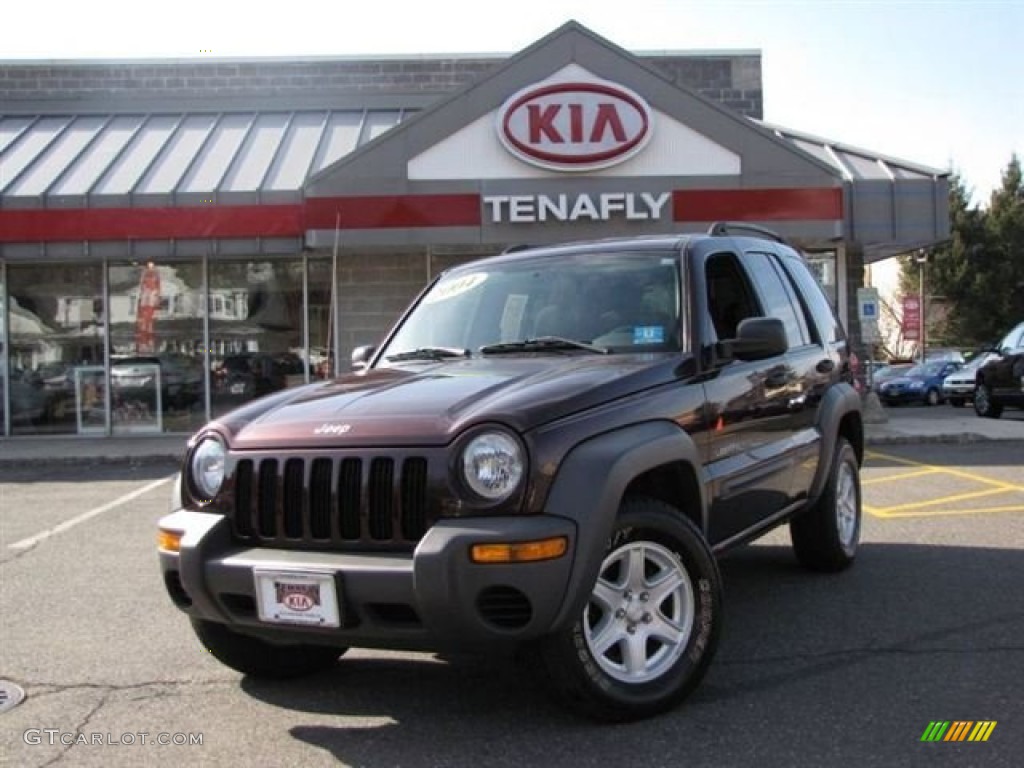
(33, 540)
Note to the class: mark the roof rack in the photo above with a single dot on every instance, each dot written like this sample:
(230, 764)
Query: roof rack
(724, 228)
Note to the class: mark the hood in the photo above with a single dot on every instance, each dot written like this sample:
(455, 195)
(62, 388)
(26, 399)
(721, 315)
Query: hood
(430, 403)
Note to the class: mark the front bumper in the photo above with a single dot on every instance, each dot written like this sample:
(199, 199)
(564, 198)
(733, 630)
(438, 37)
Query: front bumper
(958, 390)
(434, 598)
(903, 396)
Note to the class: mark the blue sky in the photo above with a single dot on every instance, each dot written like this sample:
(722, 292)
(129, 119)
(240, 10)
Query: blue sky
(937, 83)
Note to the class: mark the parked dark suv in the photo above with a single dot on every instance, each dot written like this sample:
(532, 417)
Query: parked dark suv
(544, 455)
(1000, 382)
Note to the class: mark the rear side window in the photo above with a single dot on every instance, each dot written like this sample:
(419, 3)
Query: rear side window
(777, 297)
(828, 330)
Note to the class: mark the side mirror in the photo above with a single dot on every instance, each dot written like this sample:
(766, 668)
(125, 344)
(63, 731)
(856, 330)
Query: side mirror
(361, 356)
(758, 338)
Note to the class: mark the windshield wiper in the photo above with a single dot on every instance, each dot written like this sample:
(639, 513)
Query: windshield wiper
(541, 343)
(428, 353)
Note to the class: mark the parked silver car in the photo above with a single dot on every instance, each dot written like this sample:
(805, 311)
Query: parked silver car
(958, 387)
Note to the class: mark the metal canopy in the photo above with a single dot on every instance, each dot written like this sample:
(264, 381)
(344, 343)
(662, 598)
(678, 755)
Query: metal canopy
(76, 161)
(893, 206)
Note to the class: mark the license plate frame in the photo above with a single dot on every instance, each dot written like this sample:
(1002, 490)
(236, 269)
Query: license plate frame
(298, 598)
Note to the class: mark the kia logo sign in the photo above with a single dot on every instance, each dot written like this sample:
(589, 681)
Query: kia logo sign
(574, 126)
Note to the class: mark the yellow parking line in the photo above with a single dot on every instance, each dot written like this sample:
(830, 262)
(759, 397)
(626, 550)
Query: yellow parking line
(947, 512)
(950, 471)
(943, 500)
(902, 476)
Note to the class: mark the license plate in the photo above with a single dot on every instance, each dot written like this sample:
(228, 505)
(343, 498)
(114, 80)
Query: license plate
(237, 389)
(309, 599)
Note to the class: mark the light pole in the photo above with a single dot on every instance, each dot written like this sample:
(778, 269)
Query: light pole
(921, 257)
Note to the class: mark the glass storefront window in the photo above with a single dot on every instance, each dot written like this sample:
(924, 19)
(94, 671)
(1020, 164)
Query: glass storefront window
(157, 381)
(3, 353)
(256, 340)
(55, 319)
(321, 320)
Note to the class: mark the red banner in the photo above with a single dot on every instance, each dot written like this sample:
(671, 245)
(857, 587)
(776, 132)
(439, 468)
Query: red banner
(911, 318)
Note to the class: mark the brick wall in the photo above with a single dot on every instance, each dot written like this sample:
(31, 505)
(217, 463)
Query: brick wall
(373, 291)
(732, 79)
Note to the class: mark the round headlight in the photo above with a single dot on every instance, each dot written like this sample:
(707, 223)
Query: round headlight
(492, 464)
(208, 468)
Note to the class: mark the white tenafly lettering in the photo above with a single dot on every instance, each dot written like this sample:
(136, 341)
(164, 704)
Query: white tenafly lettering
(610, 203)
(558, 209)
(495, 202)
(522, 208)
(655, 203)
(584, 206)
(528, 209)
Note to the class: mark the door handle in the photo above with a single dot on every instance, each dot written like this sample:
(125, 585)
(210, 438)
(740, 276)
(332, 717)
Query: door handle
(825, 366)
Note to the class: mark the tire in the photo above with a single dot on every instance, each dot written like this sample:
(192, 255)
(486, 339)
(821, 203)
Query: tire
(956, 402)
(932, 397)
(825, 537)
(631, 654)
(984, 406)
(260, 659)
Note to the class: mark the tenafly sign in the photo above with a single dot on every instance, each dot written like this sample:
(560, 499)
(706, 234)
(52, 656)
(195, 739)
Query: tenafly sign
(520, 209)
(574, 126)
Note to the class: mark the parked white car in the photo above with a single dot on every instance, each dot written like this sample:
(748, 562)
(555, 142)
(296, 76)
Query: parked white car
(958, 387)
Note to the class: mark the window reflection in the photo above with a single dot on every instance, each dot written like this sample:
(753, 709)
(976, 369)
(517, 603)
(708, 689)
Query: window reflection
(321, 320)
(256, 344)
(55, 332)
(156, 347)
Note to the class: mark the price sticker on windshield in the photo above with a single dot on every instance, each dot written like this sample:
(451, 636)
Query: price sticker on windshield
(449, 289)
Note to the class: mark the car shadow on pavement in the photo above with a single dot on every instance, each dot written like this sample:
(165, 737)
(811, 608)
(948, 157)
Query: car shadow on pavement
(912, 631)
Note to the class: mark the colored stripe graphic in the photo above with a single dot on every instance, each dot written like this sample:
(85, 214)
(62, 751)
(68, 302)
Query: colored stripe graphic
(982, 730)
(935, 730)
(958, 730)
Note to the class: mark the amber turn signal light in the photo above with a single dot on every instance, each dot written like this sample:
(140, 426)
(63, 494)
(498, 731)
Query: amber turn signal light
(168, 541)
(520, 552)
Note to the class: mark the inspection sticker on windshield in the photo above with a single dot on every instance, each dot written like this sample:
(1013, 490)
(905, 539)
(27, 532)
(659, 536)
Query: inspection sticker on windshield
(648, 334)
(297, 598)
(448, 289)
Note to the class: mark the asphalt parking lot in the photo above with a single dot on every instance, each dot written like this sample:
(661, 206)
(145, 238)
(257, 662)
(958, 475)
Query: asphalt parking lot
(849, 669)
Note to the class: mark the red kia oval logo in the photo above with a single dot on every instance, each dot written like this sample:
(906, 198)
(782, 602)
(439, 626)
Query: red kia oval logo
(298, 602)
(574, 126)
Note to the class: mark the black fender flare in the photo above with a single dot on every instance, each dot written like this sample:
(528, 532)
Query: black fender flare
(835, 405)
(590, 484)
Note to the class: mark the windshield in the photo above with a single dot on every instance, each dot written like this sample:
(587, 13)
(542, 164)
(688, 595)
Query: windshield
(622, 302)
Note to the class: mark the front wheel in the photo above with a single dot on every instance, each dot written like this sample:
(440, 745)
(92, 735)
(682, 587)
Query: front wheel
(825, 537)
(983, 404)
(258, 658)
(651, 625)
(932, 397)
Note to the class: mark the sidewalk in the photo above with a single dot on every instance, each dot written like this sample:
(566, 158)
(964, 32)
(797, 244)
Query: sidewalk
(906, 425)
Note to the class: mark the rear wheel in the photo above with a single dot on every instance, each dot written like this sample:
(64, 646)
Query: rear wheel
(825, 537)
(983, 404)
(651, 624)
(258, 658)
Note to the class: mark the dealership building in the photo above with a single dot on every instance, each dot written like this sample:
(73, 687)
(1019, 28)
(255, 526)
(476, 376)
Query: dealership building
(177, 237)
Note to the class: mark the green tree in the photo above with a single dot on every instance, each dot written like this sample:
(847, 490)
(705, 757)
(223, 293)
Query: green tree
(1005, 225)
(978, 274)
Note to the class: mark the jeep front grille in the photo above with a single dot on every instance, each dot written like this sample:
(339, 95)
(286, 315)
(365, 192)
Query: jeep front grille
(345, 503)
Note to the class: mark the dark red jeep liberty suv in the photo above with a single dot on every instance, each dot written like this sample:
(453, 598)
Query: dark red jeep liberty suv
(545, 455)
